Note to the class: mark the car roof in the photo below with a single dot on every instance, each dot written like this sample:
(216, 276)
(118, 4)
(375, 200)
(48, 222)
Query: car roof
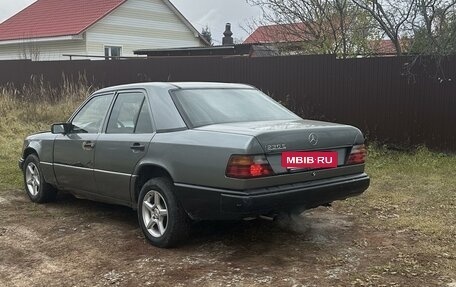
(177, 85)
(209, 85)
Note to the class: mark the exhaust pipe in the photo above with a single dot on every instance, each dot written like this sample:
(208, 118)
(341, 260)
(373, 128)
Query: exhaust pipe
(249, 218)
(264, 217)
(269, 218)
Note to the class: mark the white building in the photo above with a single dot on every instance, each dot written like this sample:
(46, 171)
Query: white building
(50, 30)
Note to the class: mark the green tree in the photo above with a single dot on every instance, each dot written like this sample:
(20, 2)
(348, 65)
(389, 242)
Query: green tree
(206, 33)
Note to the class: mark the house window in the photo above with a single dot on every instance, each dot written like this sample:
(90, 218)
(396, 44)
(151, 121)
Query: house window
(112, 52)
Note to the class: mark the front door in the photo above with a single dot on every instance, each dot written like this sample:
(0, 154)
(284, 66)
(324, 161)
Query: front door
(126, 140)
(74, 152)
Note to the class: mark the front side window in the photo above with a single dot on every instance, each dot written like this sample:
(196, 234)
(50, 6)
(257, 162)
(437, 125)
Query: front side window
(125, 113)
(90, 118)
(112, 52)
(216, 106)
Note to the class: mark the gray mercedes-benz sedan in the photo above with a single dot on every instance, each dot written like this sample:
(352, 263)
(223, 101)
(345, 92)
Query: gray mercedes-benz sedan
(179, 152)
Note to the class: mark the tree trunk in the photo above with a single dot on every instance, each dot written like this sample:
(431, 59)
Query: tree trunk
(397, 45)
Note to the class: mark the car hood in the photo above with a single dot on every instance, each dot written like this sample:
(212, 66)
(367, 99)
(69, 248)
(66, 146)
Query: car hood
(40, 135)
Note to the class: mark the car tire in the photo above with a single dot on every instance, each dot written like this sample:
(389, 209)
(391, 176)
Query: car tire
(38, 190)
(162, 219)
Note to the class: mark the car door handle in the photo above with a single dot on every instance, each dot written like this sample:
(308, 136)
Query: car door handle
(88, 145)
(136, 147)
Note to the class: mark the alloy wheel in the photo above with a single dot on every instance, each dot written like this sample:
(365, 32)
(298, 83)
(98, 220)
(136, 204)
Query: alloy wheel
(32, 179)
(155, 213)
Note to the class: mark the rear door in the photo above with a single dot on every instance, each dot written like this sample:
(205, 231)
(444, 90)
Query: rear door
(74, 152)
(124, 142)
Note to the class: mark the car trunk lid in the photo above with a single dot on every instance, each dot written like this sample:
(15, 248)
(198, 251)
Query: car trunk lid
(298, 135)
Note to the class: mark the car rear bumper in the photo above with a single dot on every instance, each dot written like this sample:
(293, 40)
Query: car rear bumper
(203, 203)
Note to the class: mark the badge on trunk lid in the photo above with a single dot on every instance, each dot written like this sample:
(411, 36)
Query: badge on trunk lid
(276, 147)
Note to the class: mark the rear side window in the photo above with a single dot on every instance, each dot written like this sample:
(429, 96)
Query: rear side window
(144, 125)
(125, 113)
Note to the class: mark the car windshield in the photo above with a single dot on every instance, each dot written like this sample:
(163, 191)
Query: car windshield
(203, 107)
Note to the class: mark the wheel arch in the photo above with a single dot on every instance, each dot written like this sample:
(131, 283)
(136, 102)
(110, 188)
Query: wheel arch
(44, 158)
(143, 173)
(32, 146)
(28, 151)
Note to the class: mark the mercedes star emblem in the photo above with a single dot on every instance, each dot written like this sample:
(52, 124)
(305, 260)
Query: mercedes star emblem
(313, 139)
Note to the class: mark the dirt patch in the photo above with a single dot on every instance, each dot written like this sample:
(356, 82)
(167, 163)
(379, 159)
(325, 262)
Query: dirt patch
(3, 200)
(79, 243)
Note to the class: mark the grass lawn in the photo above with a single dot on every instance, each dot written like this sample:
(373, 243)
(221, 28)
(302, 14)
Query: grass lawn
(19, 118)
(412, 194)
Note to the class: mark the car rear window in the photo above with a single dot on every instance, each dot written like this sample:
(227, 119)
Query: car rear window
(201, 107)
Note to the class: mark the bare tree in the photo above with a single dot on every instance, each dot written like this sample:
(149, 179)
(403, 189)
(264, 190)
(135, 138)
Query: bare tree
(313, 26)
(434, 27)
(29, 50)
(391, 16)
(434, 38)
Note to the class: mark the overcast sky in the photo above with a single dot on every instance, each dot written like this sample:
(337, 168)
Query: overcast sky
(214, 13)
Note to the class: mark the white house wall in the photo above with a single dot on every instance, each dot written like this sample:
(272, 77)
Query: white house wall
(140, 24)
(46, 51)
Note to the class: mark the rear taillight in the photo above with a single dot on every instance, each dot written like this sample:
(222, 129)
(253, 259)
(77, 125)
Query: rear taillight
(246, 166)
(358, 155)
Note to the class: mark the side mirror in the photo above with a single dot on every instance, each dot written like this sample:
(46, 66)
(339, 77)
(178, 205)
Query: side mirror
(61, 128)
